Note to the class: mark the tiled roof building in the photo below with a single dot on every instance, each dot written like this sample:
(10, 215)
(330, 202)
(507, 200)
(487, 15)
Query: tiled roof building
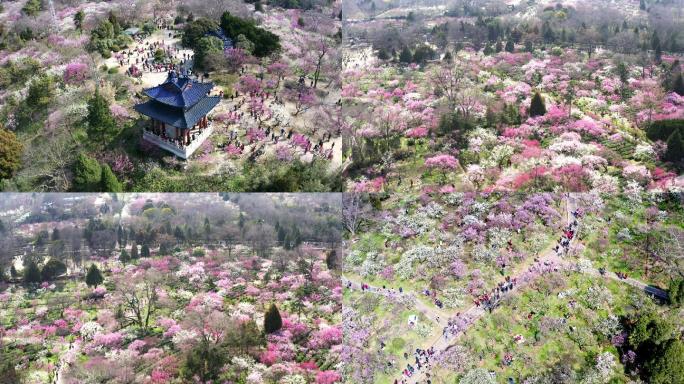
(178, 109)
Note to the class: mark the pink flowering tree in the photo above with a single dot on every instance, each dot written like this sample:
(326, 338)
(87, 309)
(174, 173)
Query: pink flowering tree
(75, 72)
(237, 58)
(249, 84)
(119, 112)
(278, 70)
(444, 163)
(303, 99)
(328, 377)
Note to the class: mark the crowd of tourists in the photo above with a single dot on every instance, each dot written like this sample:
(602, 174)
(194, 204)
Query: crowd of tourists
(421, 361)
(569, 233)
(274, 133)
(142, 59)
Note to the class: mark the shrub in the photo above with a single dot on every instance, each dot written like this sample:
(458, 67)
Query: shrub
(52, 269)
(398, 343)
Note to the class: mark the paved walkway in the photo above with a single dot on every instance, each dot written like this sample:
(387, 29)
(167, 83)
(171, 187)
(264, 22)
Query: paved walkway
(153, 78)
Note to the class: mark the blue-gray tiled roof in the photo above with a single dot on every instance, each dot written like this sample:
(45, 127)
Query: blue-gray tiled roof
(179, 91)
(177, 117)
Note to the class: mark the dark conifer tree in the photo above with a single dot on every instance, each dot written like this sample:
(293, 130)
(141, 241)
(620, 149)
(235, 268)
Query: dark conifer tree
(272, 320)
(94, 277)
(537, 106)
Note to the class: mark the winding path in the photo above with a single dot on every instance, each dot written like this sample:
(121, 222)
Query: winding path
(550, 261)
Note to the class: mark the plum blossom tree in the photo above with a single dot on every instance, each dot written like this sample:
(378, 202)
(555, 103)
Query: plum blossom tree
(477, 376)
(443, 162)
(249, 84)
(75, 72)
(318, 48)
(236, 58)
(303, 98)
(279, 70)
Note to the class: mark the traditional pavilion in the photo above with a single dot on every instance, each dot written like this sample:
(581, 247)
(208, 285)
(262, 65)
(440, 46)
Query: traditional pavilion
(178, 110)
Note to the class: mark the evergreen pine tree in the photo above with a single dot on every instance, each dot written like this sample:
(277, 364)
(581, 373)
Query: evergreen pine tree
(134, 251)
(145, 251)
(528, 46)
(537, 106)
(382, 54)
(666, 364)
(10, 153)
(108, 181)
(499, 46)
(119, 236)
(178, 233)
(405, 56)
(676, 292)
(488, 50)
(331, 260)
(93, 277)
(101, 123)
(32, 273)
(207, 228)
(272, 320)
(78, 20)
(678, 85)
(510, 46)
(124, 257)
(87, 173)
(675, 147)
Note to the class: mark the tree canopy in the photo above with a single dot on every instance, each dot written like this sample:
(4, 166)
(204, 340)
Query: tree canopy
(94, 276)
(10, 154)
(272, 320)
(537, 106)
(265, 42)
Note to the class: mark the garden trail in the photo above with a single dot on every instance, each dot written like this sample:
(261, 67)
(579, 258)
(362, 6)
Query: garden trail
(62, 365)
(548, 262)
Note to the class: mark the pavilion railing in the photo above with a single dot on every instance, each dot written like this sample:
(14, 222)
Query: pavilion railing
(182, 151)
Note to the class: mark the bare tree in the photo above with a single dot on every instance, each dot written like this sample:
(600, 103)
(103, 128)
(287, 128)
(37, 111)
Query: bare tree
(449, 80)
(673, 251)
(50, 163)
(139, 298)
(467, 98)
(352, 212)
